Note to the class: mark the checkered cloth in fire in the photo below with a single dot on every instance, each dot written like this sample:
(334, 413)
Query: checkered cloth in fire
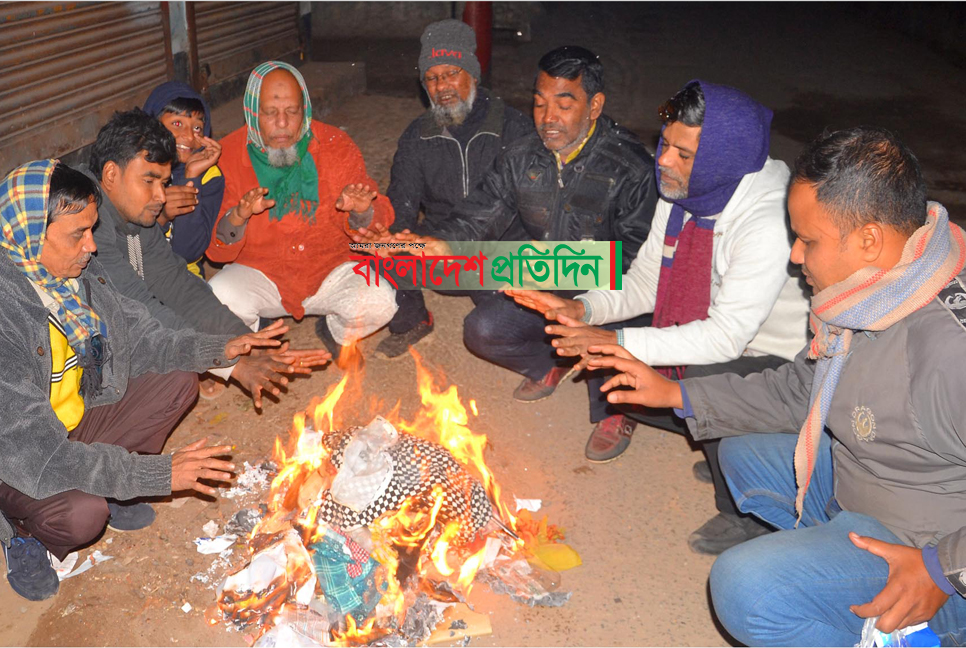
(418, 466)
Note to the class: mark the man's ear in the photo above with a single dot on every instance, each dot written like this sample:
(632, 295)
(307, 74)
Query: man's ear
(872, 241)
(597, 105)
(110, 175)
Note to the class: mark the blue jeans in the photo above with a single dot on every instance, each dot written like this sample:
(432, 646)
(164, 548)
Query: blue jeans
(794, 587)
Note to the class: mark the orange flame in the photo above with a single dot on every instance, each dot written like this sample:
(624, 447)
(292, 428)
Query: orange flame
(442, 419)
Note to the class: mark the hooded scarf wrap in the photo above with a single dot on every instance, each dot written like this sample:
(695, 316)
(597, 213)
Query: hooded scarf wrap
(734, 142)
(295, 189)
(23, 217)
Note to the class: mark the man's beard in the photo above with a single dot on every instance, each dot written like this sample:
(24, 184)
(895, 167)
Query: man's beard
(680, 192)
(453, 115)
(283, 157)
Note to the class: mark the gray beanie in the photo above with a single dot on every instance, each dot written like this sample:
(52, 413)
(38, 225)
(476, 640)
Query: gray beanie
(449, 42)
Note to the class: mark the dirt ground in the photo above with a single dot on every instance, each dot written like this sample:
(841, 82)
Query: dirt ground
(629, 520)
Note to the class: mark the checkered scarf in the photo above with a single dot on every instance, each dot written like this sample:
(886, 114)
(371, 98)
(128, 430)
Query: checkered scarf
(23, 217)
(295, 189)
(254, 90)
(872, 299)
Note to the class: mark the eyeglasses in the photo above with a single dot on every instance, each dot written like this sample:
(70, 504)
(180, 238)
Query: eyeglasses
(668, 111)
(445, 76)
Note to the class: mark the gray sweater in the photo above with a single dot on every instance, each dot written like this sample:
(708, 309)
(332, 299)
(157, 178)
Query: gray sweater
(36, 457)
(173, 295)
(898, 417)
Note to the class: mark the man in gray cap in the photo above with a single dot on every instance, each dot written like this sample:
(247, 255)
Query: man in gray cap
(443, 155)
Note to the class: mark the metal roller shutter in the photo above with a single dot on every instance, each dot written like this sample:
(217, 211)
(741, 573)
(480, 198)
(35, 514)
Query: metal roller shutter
(66, 67)
(234, 37)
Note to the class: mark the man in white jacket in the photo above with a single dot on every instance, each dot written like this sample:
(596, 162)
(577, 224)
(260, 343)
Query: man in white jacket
(713, 270)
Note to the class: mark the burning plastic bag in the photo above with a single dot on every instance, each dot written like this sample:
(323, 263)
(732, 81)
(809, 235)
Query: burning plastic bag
(367, 468)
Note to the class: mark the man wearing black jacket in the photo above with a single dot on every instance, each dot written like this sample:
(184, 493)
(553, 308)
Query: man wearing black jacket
(443, 155)
(578, 177)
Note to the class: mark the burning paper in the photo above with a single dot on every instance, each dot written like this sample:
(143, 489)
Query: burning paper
(371, 531)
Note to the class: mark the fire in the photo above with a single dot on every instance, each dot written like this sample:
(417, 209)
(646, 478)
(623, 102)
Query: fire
(416, 527)
(444, 415)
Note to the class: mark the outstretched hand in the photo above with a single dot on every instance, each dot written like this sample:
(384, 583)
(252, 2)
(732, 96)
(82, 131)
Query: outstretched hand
(253, 202)
(195, 462)
(243, 344)
(547, 303)
(355, 198)
(647, 387)
(910, 595)
(268, 369)
(575, 337)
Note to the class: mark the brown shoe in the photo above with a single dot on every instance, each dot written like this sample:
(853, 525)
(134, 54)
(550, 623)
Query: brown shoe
(531, 391)
(609, 439)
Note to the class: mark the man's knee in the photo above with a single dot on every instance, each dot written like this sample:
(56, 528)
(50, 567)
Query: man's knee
(184, 389)
(747, 588)
(735, 452)
(482, 329)
(76, 520)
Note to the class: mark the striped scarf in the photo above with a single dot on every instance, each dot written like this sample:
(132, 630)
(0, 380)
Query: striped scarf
(872, 299)
(684, 284)
(294, 189)
(23, 217)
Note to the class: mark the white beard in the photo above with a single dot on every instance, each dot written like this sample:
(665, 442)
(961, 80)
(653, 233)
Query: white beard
(283, 157)
(453, 115)
(673, 193)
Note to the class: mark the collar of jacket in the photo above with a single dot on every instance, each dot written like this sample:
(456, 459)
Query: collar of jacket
(107, 212)
(604, 129)
(484, 101)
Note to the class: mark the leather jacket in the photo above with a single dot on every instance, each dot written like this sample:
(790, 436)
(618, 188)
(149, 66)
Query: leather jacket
(607, 193)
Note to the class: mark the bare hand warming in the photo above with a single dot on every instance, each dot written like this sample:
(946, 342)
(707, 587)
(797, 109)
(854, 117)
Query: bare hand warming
(201, 161)
(178, 200)
(355, 198)
(575, 337)
(547, 303)
(647, 387)
(253, 202)
(195, 462)
(910, 595)
(242, 344)
(263, 369)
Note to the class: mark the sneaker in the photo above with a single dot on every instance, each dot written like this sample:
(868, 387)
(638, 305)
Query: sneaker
(531, 391)
(398, 343)
(609, 439)
(723, 531)
(130, 517)
(29, 571)
(702, 472)
(324, 334)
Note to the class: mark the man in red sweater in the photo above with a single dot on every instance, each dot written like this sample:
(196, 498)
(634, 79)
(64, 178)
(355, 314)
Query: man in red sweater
(294, 189)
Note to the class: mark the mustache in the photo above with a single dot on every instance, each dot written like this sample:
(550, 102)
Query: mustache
(668, 173)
